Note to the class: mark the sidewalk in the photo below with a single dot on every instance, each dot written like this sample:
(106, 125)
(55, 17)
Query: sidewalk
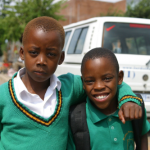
(4, 78)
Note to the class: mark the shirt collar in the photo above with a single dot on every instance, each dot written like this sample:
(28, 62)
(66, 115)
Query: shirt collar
(54, 82)
(95, 115)
(22, 87)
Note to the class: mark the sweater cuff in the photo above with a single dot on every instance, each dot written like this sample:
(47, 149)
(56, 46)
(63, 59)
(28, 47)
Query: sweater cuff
(130, 98)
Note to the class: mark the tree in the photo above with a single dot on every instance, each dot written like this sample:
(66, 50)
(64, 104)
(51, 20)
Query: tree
(19, 15)
(5, 2)
(140, 10)
(2, 26)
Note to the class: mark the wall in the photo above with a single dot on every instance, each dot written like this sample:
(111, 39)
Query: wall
(78, 10)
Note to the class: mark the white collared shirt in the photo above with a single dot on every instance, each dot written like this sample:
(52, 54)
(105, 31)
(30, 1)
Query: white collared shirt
(44, 108)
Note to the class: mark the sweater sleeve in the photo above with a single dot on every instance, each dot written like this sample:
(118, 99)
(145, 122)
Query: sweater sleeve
(125, 94)
(73, 85)
(79, 92)
(74, 88)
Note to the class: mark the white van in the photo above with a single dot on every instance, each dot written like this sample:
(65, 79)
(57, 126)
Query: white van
(128, 38)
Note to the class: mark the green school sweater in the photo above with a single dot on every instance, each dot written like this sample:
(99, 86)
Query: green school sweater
(22, 129)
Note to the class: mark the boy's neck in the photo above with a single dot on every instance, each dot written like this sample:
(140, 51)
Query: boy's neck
(35, 87)
(111, 109)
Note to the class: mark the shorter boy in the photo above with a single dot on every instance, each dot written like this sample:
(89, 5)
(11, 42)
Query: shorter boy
(100, 76)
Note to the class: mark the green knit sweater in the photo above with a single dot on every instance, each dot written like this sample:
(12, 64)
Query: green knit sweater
(22, 129)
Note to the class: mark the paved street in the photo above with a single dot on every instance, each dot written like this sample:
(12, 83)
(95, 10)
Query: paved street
(4, 78)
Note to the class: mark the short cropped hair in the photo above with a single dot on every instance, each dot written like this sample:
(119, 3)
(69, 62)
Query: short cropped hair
(100, 53)
(46, 24)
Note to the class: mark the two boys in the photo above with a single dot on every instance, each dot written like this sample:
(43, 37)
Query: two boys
(34, 104)
(100, 76)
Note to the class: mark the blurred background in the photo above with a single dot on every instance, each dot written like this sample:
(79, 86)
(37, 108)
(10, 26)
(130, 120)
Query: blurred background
(15, 14)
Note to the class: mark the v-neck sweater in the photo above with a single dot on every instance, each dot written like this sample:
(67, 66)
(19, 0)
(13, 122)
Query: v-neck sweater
(22, 129)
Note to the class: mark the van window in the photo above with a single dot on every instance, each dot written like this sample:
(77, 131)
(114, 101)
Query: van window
(127, 38)
(67, 35)
(77, 41)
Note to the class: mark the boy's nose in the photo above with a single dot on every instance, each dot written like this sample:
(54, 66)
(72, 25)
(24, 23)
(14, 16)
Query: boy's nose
(99, 85)
(41, 60)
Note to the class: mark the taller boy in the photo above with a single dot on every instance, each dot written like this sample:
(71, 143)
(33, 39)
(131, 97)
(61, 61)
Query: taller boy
(34, 104)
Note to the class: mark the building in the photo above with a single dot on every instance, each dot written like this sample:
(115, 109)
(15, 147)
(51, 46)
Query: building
(78, 10)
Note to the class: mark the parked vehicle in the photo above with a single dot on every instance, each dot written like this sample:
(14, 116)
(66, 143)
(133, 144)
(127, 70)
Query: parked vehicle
(128, 38)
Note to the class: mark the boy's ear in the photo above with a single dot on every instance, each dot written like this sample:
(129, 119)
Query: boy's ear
(120, 77)
(82, 83)
(21, 53)
(62, 57)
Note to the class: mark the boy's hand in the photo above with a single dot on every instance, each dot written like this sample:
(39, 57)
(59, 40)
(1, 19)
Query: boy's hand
(130, 111)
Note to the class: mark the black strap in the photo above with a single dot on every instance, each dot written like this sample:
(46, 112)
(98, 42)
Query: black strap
(79, 127)
(138, 125)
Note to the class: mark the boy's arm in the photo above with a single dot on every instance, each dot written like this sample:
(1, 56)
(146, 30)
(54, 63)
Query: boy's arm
(129, 110)
(74, 87)
(125, 94)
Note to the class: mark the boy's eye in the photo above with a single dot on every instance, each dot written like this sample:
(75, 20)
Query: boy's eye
(88, 81)
(51, 54)
(108, 78)
(33, 52)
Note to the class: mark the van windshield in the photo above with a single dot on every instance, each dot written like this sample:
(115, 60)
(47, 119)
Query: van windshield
(127, 38)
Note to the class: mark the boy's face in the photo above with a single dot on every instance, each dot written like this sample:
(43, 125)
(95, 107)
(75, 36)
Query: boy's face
(100, 80)
(42, 52)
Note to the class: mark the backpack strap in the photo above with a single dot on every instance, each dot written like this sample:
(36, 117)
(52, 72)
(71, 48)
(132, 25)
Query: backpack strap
(79, 128)
(138, 125)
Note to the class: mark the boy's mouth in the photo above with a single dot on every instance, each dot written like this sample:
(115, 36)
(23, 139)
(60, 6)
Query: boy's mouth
(39, 72)
(101, 97)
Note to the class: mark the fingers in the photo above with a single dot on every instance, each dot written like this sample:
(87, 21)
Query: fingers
(130, 111)
(126, 112)
(121, 116)
(137, 110)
